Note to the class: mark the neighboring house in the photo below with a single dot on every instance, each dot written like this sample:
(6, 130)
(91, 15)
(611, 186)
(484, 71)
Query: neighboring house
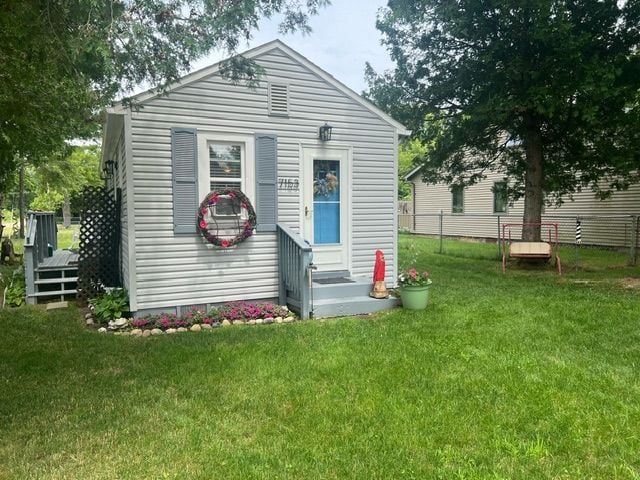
(207, 134)
(473, 211)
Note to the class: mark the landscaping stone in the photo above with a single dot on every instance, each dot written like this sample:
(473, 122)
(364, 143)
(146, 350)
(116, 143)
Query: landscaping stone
(182, 329)
(117, 333)
(278, 319)
(196, 328)
(269, 320)
(216, 324)
(89, 320)
(259, 321)
(126, 334)
(136, 332)
(288, 319)
(156, 331)
(238, 322)
(88, 315)
(171, 330)
(251, 322)
(118, 323)
(206, 326)
(226, 323)
(102, 330)
(146, 333)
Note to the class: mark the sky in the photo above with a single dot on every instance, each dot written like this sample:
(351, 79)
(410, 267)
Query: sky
(344, 37)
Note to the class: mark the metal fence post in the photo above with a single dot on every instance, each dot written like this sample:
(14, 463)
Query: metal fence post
(499, 239)
(633, 251)
(441, 216)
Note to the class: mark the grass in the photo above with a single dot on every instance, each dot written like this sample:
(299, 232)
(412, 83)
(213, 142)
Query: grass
(519, 376)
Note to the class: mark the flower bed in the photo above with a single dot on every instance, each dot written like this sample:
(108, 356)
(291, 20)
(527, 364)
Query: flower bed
(196, 319)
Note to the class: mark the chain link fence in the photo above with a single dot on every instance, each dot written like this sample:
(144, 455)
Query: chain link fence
(616, 236)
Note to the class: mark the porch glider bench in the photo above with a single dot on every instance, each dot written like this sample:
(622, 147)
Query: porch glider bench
(541, 250)
(531, 250)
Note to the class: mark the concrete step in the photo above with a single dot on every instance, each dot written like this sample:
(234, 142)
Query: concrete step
(360, 286)
(338, 307)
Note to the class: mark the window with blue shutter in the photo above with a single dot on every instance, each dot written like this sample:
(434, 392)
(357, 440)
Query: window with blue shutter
(184, 161)
(266, 182)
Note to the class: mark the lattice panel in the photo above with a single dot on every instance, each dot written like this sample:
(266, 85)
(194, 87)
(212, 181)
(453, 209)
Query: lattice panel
(99, 257)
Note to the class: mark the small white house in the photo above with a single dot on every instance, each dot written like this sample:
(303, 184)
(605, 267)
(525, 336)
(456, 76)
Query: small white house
(478, 210)
(209, 135)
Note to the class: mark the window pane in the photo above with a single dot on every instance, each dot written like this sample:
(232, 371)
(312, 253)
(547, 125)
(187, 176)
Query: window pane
(457, 199)
(226, 206)
(499, 197)
(225, 161)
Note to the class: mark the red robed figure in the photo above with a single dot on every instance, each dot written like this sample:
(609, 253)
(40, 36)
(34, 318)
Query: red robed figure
(379, 288)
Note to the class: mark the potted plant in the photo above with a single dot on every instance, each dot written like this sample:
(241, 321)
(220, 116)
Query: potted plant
(414, 289)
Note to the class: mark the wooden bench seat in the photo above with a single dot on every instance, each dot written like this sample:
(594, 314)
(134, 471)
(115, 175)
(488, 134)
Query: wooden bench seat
(530, 250)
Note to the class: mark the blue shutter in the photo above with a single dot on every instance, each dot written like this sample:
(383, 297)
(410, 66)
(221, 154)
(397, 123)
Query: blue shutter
(266, 181)
(184, 161)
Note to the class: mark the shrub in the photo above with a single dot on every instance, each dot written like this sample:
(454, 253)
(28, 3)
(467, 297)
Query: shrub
(110, 305)
(16, 292)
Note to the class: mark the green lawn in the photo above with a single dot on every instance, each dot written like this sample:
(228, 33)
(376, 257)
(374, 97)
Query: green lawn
(520, 376)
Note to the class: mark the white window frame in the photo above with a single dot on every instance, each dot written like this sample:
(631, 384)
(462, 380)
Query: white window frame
(247, 166)
(506, 200)
(462, 189)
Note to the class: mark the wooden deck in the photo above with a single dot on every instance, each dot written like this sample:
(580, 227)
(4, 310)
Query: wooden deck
(60, 260)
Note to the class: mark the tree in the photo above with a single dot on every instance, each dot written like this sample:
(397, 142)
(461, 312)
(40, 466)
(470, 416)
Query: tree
(62, 62)
(407, 152)
(63, 176)
(545, 91)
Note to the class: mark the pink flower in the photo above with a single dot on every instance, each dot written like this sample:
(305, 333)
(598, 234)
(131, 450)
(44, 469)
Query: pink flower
(213, 200)
(203, 224)
(224, 243)
(413, 273)
(244, 205)
(232, 194)
(204, 211)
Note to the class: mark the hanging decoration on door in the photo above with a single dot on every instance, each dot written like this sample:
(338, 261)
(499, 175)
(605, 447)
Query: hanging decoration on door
(226, 217)
(326, 180)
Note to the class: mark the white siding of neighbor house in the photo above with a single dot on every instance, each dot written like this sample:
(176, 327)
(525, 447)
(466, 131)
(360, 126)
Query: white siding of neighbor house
(174, 270)
(611, 228)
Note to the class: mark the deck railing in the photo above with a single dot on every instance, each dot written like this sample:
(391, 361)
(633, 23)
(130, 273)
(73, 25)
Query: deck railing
(295, 259)
(40, 242)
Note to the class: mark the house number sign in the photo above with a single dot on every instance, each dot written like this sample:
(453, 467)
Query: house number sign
(288, 183)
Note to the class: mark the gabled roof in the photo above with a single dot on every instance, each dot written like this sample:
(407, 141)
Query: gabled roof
(412, 172)
(257, 51)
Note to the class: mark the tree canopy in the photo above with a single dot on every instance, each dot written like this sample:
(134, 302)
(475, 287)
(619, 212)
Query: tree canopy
(545, 91)
(62, 61)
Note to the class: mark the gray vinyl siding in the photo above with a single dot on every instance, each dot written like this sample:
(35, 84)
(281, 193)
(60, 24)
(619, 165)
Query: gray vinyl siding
(124, 217)
(609, 229)
(174, 270)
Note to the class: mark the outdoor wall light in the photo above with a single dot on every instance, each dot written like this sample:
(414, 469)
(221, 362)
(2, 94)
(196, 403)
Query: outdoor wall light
(108, 168)
(325, 132)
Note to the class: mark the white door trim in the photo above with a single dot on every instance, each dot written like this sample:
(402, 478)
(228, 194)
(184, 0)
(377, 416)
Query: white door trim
(308, 152)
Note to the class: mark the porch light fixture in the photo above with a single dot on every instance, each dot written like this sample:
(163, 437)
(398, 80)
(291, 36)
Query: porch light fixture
(325, 132)
(108, 168)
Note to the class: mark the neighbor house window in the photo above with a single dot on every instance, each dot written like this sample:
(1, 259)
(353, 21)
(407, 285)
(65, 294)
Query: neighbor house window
(500, 197)
(457, 199)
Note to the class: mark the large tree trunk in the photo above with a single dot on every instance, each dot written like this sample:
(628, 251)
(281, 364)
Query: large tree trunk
(533, 183)
(66, 212)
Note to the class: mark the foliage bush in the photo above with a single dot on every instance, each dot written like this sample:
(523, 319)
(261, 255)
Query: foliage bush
(15, 293)
(230, 311)
(110, 305)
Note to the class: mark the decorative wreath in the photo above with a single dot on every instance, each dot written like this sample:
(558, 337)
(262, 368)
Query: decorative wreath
(208, 221)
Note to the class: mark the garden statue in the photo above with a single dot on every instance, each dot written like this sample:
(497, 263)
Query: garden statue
(379, 288)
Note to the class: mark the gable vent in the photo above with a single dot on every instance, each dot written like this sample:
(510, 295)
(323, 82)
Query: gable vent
(278, 99)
